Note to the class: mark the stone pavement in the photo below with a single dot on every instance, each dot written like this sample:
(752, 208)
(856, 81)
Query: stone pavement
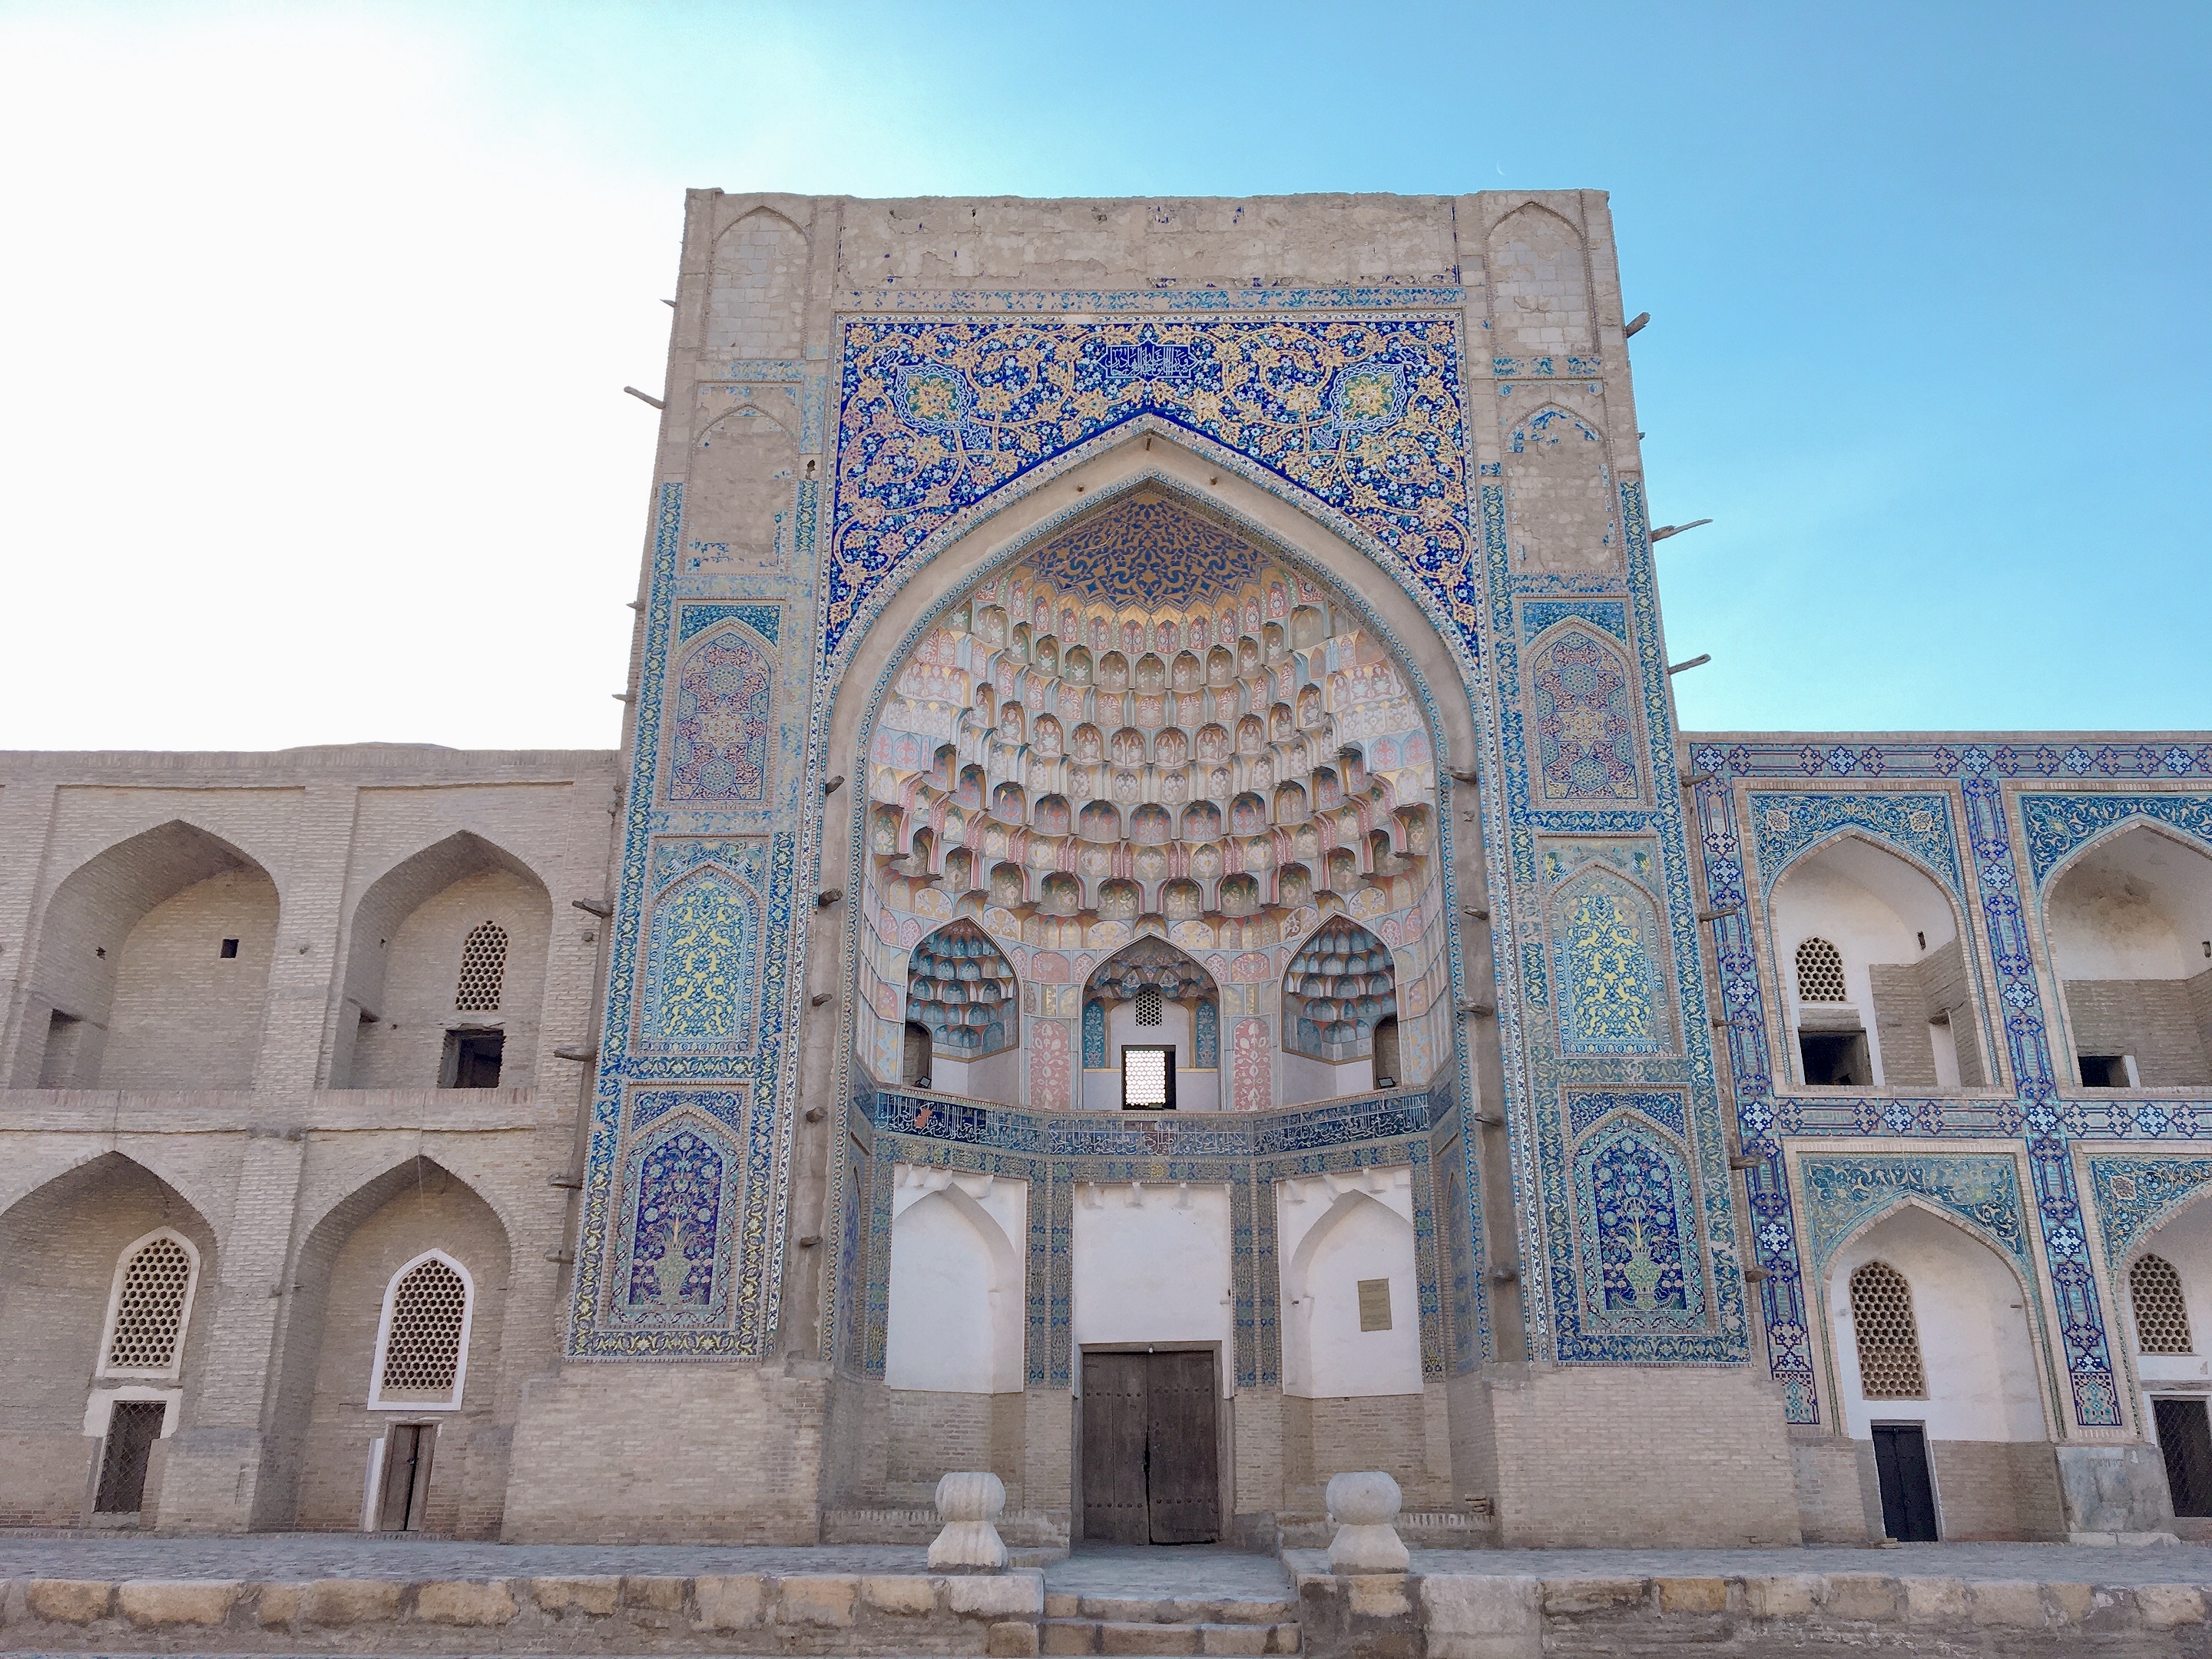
(1097, 1570)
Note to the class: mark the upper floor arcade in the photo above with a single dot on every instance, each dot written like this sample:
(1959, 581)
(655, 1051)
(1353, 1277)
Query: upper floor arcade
(368, 918)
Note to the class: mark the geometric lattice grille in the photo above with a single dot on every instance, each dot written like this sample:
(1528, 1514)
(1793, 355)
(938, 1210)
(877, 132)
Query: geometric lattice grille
(2161, 1316)
(422, 1354)
(149, 1314)
(1148, 1005)
(1889, 1340)
(1819, 972)
(483, 966)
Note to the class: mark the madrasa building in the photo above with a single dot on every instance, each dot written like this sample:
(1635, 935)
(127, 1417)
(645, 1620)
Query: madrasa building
(1152, 933)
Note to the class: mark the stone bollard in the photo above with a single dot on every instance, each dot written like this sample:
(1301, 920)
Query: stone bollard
(1363, 1506)
(967, 1504)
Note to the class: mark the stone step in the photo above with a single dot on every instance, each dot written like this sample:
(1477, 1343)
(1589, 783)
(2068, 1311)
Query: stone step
(1020, 1528)
(1126, 1638)
(1171, 1610)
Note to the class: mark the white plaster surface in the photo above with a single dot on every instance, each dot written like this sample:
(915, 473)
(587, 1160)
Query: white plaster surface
(1152, 1264)
(956, 1286)
(1983, 1383)
(1332, 1231)
(2137, 907)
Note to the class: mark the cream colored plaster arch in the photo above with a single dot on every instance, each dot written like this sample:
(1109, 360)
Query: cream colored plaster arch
(1834, 1295)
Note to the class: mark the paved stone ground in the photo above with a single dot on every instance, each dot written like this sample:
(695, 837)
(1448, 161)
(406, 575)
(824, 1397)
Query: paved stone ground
(1186, 1571)
(1197, 1572)
(2049, 1564)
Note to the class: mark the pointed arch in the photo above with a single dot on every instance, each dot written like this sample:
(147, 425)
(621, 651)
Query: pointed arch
(1870, 944)
(330, 1399)
(1540, 283)
(405, 947)
(1986, 1377)
(961, 986)
(1329, 1350)
(1341, 983)
(957, 1287)
(703, 959)
(1583, 715)
(422, 1361)
(721, 725)
(1642, 1262)
(2127, 924)
(109, 1003)
(756, 296)
(1610, 955)
(1558, 475)
(77, 1332)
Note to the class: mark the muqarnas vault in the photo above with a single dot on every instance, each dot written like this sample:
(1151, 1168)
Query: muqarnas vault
(1152, 933)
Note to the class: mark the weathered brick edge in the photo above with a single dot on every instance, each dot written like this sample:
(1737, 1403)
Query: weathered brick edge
(853, 1614)
(1465, 1616)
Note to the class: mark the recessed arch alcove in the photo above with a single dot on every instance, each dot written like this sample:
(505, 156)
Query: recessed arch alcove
(1877, 991)
(2128, 921)
(1137, 710)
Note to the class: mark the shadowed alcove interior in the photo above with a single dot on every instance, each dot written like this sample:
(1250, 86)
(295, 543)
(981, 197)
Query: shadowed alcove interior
(1149, 739)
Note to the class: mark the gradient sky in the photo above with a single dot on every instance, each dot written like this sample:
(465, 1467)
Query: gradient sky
(313, 320)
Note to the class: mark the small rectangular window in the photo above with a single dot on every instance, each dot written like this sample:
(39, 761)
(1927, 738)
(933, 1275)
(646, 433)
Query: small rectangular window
(471, 1059)
(1835, 1058)
(1148, 1080)
(2104, 1071)
(1374, 1304)
(229, 949)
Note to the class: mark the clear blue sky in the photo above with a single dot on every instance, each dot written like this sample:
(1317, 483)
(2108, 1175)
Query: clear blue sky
(312, 319)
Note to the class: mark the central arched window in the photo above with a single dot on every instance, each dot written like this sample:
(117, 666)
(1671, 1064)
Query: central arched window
(1888, 1336)
(2161, 1312)
(423, 1339)
(1821, 973)
(149, 1307)
(484, 969)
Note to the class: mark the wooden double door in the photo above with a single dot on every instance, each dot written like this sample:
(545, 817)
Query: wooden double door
(1152, 1468)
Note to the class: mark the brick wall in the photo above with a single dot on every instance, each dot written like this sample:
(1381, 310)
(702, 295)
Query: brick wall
(2152, 1020)
(1996, 1489)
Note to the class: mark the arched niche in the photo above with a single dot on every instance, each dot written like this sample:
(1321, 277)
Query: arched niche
(1341, 983)
(1584, 736)
(1351, 1285)
(1983, 1379)
(1539, 283)
(1151, 994)
(961, 989)
(1182, 692)
(1876, 986)
(152, 968)
(721, 725)
(1609, 955)
(740, 501)
(2164, 1286)
(756, 296)
(406, 1013)
(2129, 922)
(1559, 488)
(65, 1244)
(325, 1417)
(958, 1314)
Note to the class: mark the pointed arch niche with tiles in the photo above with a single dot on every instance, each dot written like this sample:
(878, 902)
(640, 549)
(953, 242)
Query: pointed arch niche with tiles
(1877, 991)
(1151, 739)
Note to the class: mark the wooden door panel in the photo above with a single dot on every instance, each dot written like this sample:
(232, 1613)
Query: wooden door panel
(1184, 1472)
(1113, 1421)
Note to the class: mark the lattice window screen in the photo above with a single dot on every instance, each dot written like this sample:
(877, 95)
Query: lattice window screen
(1889, 1337)
(1821, 972)
(422, 1354)
(484, 969)
(149, 1314)
(1148, 1005)
(2161, 1315)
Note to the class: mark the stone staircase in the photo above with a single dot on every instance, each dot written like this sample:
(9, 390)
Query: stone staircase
(1125, 1625)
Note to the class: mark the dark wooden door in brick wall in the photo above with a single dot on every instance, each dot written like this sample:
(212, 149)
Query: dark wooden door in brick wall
(1152, 1471)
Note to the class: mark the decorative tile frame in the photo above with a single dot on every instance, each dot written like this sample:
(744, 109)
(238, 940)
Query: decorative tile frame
(1986, 784)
